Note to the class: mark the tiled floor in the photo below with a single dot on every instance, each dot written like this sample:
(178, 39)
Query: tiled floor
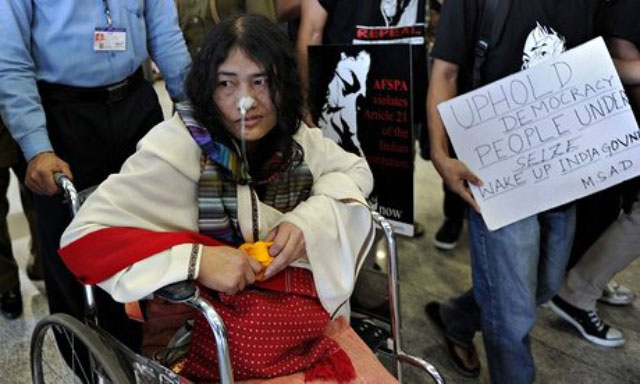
(426, 274)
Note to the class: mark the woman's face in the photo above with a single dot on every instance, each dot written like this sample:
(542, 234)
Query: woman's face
(239, 76)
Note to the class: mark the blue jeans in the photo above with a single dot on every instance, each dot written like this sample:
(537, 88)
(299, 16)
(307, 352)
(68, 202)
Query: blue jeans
(515, 269)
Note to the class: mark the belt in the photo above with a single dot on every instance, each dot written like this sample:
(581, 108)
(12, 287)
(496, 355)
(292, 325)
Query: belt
(107, 94)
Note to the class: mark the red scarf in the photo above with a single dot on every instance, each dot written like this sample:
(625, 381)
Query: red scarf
(274, 330)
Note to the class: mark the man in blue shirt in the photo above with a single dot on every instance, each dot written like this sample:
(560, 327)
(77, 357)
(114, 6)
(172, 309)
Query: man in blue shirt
(74, 98)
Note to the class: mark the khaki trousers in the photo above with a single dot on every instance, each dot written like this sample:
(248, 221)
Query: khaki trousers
(618, 246)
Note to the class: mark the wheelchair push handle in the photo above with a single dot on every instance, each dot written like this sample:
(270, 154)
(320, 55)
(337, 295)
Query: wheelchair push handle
(69, 190)
(59, 178)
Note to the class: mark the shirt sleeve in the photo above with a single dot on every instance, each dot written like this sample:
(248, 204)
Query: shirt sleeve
(155, 190)
(20, 105)
(455, 34)
(166, 45)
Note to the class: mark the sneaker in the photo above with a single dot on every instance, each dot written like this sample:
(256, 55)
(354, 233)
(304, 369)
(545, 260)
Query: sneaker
(616, 294)
(11, 303)
(447, 236)
(588, 323)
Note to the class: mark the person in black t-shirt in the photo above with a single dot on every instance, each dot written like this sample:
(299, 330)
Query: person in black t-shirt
(521, 265)
(619, 245)
(364, 22)
(357, 22)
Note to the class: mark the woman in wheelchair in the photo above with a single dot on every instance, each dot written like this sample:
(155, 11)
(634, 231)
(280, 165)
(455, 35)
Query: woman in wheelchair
(235, 165)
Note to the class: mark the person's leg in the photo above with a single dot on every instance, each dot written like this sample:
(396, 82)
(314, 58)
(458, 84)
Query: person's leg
(453, 206)
(74, 130)
(8, 267)
(594, 214)
(454, 212)
(557, 229)
(461, 316)
(458, 320)
(64, 292)
(10, 297)
(95, 139)
(34, 266)
(611, 253)
(504, 265)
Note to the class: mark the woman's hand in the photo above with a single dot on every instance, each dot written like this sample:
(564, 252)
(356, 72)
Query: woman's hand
(288, 246)
(226, 269)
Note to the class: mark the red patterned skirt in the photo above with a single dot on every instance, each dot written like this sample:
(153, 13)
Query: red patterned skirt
(275, 329)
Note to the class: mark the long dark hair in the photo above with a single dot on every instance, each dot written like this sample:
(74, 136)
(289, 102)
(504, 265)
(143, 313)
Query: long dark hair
(267, 45)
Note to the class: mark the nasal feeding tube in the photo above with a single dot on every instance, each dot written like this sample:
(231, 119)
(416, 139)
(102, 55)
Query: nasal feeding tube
(245, 103)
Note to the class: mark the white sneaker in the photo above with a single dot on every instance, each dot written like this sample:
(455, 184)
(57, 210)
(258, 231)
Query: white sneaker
(616, 294)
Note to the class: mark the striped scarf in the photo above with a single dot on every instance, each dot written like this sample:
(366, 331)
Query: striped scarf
(222, 171)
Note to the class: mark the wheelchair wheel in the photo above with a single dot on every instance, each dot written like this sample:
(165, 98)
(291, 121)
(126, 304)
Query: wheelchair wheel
(64, 350)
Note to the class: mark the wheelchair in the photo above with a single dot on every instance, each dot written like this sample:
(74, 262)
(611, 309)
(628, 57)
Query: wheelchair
(87, 354)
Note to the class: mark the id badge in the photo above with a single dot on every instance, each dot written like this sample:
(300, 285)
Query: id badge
(109, 39)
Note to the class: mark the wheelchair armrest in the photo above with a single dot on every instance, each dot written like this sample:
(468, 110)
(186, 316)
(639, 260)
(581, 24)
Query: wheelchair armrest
(178, 292)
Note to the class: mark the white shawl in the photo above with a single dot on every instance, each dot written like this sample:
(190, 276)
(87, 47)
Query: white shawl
(157, 189)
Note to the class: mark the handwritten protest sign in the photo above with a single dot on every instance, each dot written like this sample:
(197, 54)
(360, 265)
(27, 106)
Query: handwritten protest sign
(546, 136)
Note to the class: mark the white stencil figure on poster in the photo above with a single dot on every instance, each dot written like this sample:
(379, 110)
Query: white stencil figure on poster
(399, 12)
(347, 88)
(542, 43)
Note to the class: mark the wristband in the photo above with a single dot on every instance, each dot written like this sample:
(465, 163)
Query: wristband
(193, 259)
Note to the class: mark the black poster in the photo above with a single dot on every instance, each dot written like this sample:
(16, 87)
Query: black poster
(361, 97)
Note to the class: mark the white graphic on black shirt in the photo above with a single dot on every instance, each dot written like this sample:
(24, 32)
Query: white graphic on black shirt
(542, 43)
(399, 12)
(347, 88)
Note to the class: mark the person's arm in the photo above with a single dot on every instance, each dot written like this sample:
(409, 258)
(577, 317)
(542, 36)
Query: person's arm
(335, 220)
(166, 45)
(156, 190)
(442, 87)
(20, 105)
(626, 57)
(340, 178)
(313, 18)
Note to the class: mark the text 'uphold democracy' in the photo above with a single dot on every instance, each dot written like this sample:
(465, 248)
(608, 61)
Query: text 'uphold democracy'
(547, 135)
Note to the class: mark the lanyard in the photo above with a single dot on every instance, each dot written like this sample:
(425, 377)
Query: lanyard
(107, 11)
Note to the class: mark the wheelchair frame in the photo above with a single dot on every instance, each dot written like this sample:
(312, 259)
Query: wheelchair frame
(146, 370)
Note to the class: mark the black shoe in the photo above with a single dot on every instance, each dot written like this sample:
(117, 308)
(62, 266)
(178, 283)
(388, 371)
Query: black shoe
(463, 356)
(448, 234)
(11, 303)
(588, 323)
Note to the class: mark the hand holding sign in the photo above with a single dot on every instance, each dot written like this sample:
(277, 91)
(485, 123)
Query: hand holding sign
(456, 175)
(545, 136)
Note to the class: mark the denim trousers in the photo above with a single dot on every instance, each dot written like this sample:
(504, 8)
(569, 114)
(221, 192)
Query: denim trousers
(514, 269)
